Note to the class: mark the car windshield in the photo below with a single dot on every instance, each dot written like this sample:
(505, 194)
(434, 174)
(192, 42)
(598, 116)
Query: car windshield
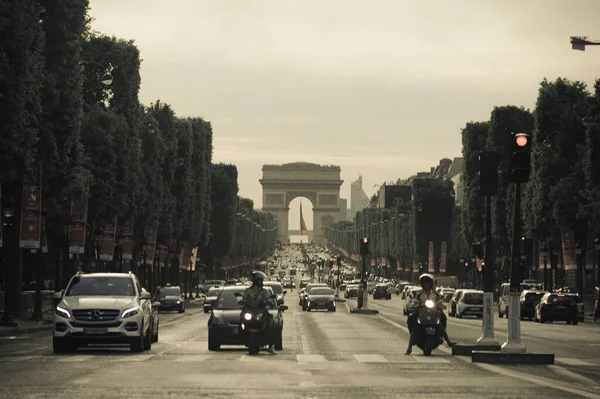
(227, 301)
(473, 298)
(101, 286)
(559, 300)
(576, 298)
(168, 291)
(213, 292)
(533, 297)
(277, 289)
(321, 291)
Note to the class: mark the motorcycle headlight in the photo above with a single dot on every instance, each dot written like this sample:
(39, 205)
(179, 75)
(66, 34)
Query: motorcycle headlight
(62, 312)
(429, 303)
(130, 312)
(247, 316)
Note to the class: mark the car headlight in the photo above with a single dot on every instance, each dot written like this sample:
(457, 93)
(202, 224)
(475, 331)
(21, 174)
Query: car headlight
(218, 320)
(62, 312)
(130, 312)
(248, 316)
(178, 302)
(429, 303)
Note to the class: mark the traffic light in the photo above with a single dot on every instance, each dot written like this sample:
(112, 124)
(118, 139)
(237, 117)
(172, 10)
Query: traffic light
(364, 246)
(488, 172)
(330, 263)
(520, 161)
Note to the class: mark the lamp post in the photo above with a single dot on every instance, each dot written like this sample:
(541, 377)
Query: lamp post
(107, 78)
(579, 274)
(191, 279)
(597, 260)
(544, 251)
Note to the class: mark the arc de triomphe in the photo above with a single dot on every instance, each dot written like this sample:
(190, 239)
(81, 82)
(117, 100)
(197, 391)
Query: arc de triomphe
(320, 184)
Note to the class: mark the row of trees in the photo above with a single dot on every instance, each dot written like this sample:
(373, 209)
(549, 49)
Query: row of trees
(72, 111)
(563, 191)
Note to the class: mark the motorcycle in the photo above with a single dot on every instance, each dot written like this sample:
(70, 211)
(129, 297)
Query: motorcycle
(429, 330)
(254, 325)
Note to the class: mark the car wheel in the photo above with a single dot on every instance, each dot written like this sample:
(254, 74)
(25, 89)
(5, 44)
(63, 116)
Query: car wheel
(575, 322)
(62, 346)
(182, 310)
(155, 333)
(138, 344)
(148, 338)
(213, 345)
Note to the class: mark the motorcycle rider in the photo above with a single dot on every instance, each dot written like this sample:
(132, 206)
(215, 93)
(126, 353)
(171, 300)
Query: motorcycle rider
(428, 292)
(256, 297)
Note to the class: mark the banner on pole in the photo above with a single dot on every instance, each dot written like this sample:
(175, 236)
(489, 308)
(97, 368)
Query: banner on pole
(431, 260)
(126, 230)
(443, 257)
(78, 227)
(31, 211)
(568, 247)
(107, 240)
(150, 247)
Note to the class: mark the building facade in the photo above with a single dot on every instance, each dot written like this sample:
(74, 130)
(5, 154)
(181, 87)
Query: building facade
(358, 199)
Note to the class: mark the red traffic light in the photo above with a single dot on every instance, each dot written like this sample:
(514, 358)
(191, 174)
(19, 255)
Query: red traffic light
(365, 240)
(521, 140)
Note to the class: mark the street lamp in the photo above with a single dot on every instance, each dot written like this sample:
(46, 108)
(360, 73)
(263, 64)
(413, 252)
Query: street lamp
(107, 78)
(597, 260)
(579, 42)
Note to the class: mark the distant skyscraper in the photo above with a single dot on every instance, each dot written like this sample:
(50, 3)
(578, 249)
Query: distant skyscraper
(343, 209)
(358, 199)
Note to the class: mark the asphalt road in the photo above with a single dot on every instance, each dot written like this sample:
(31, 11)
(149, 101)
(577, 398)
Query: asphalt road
(326, 355)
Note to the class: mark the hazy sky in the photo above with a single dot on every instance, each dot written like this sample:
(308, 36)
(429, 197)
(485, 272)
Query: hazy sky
(380, 88)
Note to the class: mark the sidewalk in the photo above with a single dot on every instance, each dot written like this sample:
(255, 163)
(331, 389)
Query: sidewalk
(26, 326)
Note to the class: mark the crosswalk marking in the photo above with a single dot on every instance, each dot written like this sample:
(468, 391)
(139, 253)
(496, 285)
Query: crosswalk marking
(571, 361)
(311, 358)
(253, 358)
(136, 358)
(369, 358)
(430, 360)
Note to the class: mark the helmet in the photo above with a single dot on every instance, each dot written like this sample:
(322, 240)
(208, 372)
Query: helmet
(424, 277)
(258, 277)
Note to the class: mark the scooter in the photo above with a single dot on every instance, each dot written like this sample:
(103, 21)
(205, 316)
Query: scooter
(251, 323)
(429, 330)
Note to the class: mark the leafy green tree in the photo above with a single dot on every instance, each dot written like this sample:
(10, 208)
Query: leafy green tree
(21, 83)
(433, 207)
(558, 157)
(503, 122)
(474, 140)
(592, 165)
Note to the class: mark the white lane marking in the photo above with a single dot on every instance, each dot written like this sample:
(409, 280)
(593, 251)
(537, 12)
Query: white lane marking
(537, 380)
(192, 358)
(571, 375)
(82, 381)
(370, 358)
(76, 358)
(250, 358)
(136, 358)
(15, 358)
(310, 358)
(571, 361)
(307, 384)
(430, 360)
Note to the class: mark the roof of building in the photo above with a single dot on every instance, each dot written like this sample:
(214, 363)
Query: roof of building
(456, 167)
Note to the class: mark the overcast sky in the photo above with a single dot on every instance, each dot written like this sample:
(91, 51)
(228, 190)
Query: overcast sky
(380, 88)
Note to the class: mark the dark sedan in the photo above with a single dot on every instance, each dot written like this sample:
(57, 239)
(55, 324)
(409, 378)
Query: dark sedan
(224, 322)
(211, 297)
(555, 307)
(170, 298)
(382, 291)
(320, 298)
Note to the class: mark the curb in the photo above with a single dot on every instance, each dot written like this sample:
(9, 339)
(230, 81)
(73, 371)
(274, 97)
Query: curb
(17, 330)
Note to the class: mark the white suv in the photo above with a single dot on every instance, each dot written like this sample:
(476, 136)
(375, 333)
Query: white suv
(103, 308)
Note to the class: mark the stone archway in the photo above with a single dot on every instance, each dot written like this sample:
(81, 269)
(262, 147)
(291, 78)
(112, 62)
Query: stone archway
(320, 184)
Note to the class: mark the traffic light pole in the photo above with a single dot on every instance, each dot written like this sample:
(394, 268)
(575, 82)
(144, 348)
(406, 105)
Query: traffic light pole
(487, 328)
(365, 291)
(513, 343)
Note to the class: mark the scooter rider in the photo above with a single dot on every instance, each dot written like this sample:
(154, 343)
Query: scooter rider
(428, 292)
(256, 297)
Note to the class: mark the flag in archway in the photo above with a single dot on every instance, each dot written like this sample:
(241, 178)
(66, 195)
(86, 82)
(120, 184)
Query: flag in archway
(303, 229)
